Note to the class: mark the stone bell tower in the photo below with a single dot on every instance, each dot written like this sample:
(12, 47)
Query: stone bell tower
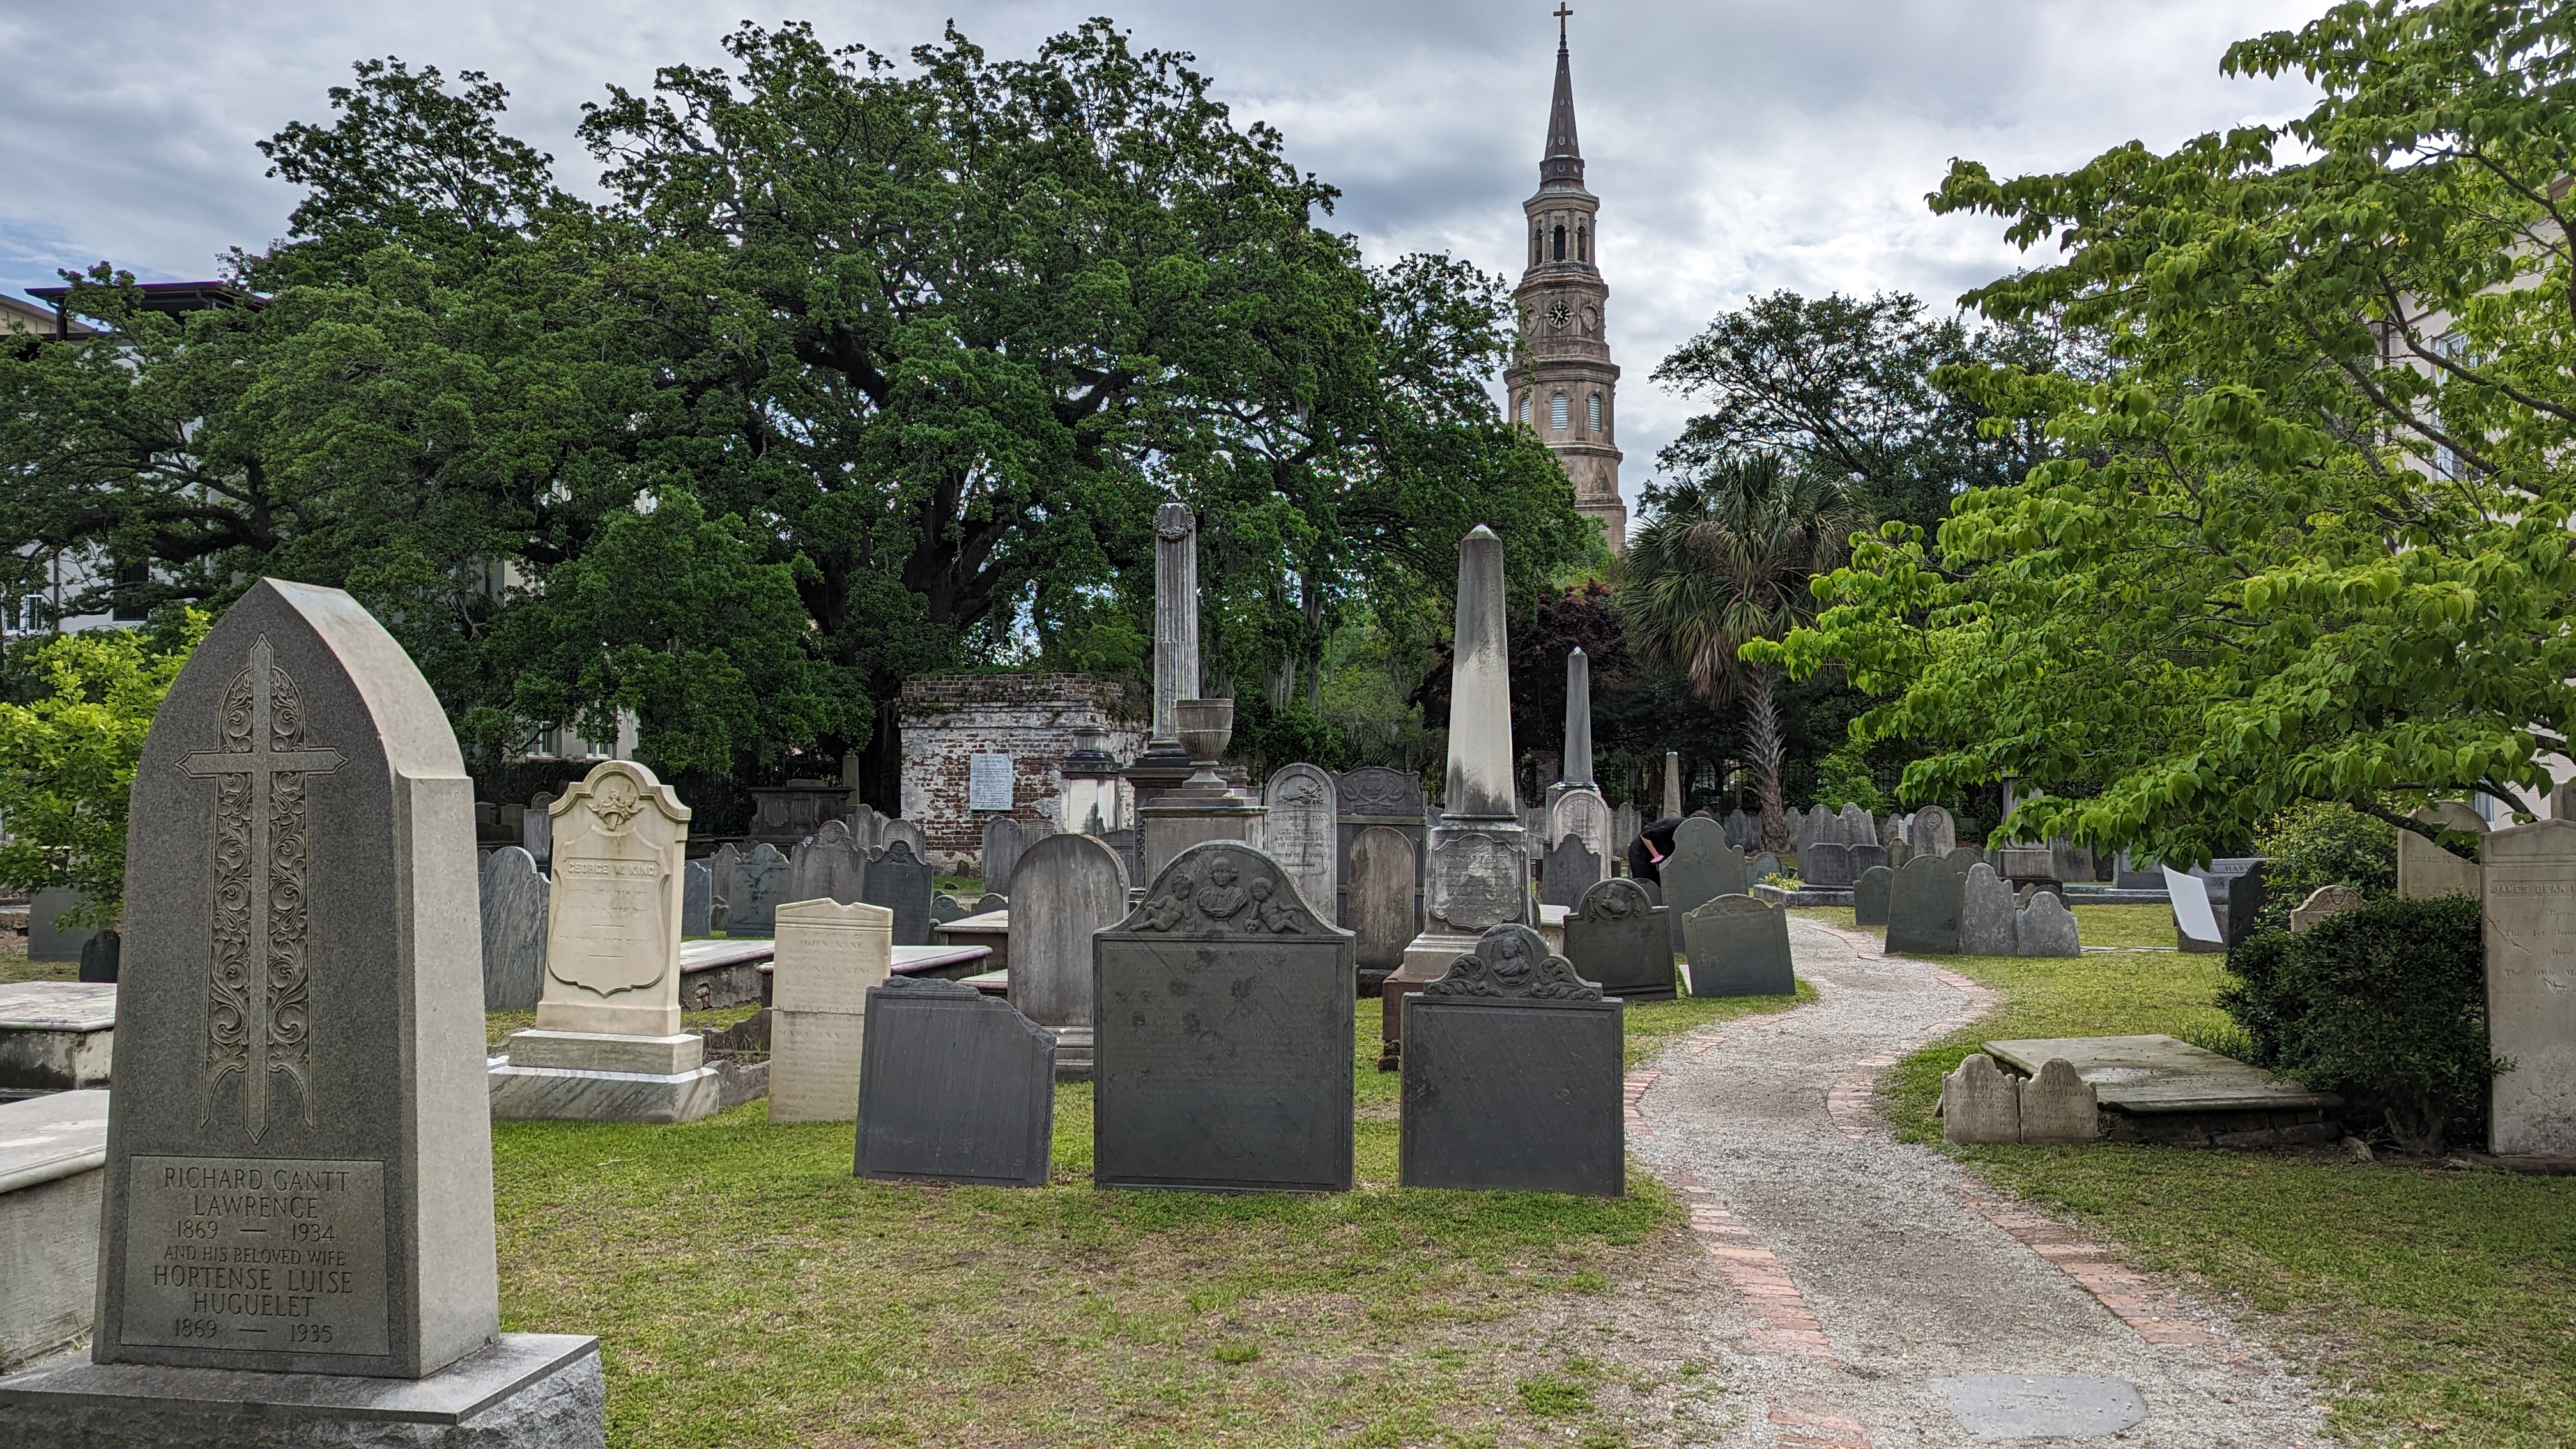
(1561, 381)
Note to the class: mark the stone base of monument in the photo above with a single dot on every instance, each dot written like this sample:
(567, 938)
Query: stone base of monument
(525, 1389)
(573, 1076)
(53, 1153)
(1426, 960)
(56, 1036)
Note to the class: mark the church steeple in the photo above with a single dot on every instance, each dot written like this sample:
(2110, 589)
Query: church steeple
(1561, 382)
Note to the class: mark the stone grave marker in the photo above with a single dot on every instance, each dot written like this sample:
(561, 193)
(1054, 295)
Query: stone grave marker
(697, 899)
(831, 865)
(1807, 829)
(1980, 1104)
(2324, 904)
(1380, 900)
(828, 957)
(894, 828)
(759, 882)
(1225, 1026)
(2047, 928)
(1869, 896)
(1512, 1075)
(1987, 915)
(2196, 927)
(990, 901)
(1761, 868)
(1624, 828)
(1742, 830)
(514, 931)
(864, 825)
(1367, 798)
(900, 881)
(300, 1043)
(1569, 870)
(1699, 869)
(1004, 838)
(2528, 877)
(1618, 939)
(613, 937)
(2424, 869)
(537, 828)
(1923, 908)
(1582, 813)
(946, 908)
(1300, 832)
(954, 1086)
(1739, 946)
(1825, 865)
(2059, 1106)
(720, 871)
(1865, 858)
(1070, 887)
(48, 941)
(1858, 828)
(1935, 833)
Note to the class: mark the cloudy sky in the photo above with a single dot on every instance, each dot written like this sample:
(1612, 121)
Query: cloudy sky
(1737, 146)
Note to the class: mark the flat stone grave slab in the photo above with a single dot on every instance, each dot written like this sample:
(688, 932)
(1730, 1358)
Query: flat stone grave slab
(716, 974)
(2154, 1074)
(954, 1086)
(51, 1151)
(56, 1035)
(1511, 1076)
(2040, 1406)
(992, 983)
(944, 963)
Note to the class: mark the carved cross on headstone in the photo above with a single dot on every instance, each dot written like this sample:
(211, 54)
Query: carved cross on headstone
(257, 1020)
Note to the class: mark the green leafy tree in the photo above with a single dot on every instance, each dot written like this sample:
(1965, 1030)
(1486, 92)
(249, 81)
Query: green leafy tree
(1725, 561)
(70, 754)
(2312, 541)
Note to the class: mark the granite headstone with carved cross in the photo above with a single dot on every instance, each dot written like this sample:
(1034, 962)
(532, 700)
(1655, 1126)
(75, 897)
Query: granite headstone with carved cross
(299, 1176)
(1512, 1075)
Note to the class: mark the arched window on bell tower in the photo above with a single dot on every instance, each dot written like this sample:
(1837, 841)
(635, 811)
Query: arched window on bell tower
(1593, 420)
(1560, 241)
(1556, 412)
(1582, 243)
(1538, 240)
(1525, 405)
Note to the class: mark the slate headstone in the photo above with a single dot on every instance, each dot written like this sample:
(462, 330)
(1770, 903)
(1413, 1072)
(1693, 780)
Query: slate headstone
(900, 881)
(1935, 833)
(1569, 870)
(831, 865)
(1987, 915)
(1699, 869)
(1923, 909)
(1299, 832)
(1869, 896)
(890, 829)
(697, 899)
(514, 931)
(46, 940)
(537, 828)
(1371, 796)
(946, 908)
(1963, 857)
(1808, 829)
(1742, 830)
(1003, 840)
(2047, 928)
(1858, 828)
(1865, 858)
(720, 871)
(1070, 887)
(759, 885)
(954, 1086)
(1761, 868)
(991, 901)
(1512, 1075)
(1825, 865)
(1739, 946)
(1381, 899)
(1618, 938)
(1225, 1033)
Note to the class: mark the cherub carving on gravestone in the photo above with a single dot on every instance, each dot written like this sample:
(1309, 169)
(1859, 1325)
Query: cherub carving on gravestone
(1268, 913)
(1234, 890)
(1513, 960)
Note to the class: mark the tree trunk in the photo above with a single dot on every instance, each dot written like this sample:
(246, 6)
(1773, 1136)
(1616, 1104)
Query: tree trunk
(881, 759)
(1762, 735)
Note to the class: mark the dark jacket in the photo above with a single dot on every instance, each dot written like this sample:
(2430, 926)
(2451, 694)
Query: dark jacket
(1642, 865)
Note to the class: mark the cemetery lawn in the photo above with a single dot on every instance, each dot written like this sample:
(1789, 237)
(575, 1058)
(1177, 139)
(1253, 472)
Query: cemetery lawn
(2430, 1304)
(748, 1290)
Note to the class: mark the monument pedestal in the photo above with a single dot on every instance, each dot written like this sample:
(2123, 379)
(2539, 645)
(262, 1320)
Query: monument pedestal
(1478, 878)
(1205, 809)
(531, 1389)
(579, 1076)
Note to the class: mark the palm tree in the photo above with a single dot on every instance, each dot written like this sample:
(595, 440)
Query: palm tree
(1726, 561)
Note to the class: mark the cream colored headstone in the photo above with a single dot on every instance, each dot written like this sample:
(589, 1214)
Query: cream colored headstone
(1980, 1103)
(2425, 870)
(2324, 903)
(613, 924)
(2529, 877)
(828, 955)
(1582, 813)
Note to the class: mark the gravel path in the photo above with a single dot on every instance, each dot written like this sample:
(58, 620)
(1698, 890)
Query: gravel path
(1864, 1269)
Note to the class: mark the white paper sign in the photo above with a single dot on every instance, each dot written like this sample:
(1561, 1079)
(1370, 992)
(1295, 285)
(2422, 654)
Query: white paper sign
(2191, 907)
(988, 782)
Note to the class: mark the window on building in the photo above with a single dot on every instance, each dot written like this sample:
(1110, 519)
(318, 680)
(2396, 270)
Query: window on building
(1556, 412)
(1525, 410)
(1592, 415)
(1538, 240)
(129, 608)
(1560, 242)
(1582, 243)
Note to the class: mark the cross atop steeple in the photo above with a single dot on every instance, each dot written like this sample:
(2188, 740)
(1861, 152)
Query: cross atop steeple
(1562, 163)
(1562, 11)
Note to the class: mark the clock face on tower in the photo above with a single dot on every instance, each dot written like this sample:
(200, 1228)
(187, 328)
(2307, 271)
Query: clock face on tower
(1557, 313)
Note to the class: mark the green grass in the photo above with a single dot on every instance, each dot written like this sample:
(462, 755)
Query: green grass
(748, 1290)
(2435, 1306)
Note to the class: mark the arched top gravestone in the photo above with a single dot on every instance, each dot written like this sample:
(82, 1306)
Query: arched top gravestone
(1513, 961)
(831, 865)
(1299, 832)
(514, 930)
(759, 884)
(613, 942)
(1934, 832)
(1618, 937)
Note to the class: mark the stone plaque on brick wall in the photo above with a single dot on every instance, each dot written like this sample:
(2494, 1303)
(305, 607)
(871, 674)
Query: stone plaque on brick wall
(988, 782)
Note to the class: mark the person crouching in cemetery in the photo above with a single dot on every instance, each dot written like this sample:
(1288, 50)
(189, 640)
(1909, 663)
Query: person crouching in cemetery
(1646, 853)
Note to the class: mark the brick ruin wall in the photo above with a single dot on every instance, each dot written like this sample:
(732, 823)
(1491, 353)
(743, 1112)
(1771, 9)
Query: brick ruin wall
(948, 719)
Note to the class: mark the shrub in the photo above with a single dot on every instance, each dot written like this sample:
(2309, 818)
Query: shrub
(2386, 1006)
(2322, 844)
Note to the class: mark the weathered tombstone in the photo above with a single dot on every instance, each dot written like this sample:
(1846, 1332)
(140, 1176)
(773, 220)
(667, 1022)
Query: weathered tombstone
(1808, 829)
(1129, 847)
(2128, 875)
(1866, 858)
(832, 865)
(1225, 1023)
(1070, 887)
(2323, 904)
(2026, 863)
(1739, 946)
(2528, 877)
(1583, 814)
(537, 828)
(1300, 832)
(1962, 858)
(1825, 865)
(954, 1086)
(1869, 896)
(1898, 854)
(900, 881)
(697, 898)
(1934, 832)
(1858, 829)
(716, 909)
(300, 1045)
(1370, 797)
(1987, 916)
(1618, 938)
(2425, 869)
(1923, 909)
(1569, 870)
(864, 825)
(890, 829)
(514, 931)
(1624, 828)
(946, 908)
(1761, 868)
(829, 956)
(1512, 1075)
(2058, 1106)
(1980, 1104)
(991, 901)
(2196, 927)
(2068, 860)
(1003, 841)
(720, 871)
(47, 941)
(1381, 900)
(1698, 870)
(2047, 928)
(1742, 830)
(759, 884)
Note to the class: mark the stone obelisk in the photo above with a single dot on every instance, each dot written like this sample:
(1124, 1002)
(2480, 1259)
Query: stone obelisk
(1477, 852)
(1578, 720)
(1672, 783)
(1575, 805)
(1164, 765)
